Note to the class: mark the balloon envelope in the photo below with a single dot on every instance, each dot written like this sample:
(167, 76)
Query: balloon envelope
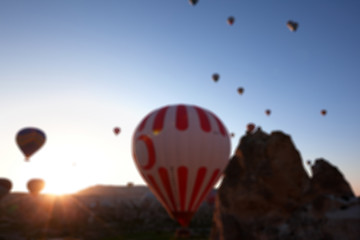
(5, 186)
(215, 77)
(250, 127)
(193, 2)
(323, 112)
(230, 20)
(240, 90)
(181, 151)
(268, 112)
(116, 130)
(292, 25)
(35, 186)
(30, 140)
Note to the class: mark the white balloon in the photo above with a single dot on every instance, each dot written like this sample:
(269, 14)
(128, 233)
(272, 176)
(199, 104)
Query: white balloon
(181, 151)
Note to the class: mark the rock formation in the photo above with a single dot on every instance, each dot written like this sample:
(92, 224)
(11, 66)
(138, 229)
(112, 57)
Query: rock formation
(327, 179)
(267, 194)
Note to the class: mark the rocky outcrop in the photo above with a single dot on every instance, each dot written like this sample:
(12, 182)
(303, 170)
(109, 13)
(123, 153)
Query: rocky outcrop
(267, 194)
(327, 179)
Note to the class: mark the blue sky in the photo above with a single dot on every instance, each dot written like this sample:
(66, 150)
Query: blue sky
(78, 68)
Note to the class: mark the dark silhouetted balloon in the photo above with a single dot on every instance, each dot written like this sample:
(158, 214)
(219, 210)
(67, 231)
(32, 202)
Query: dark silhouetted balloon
(193, 2)
(240, 90)
(30, 140)
(250, 127)
(293, 26)
(215, 77)
(323, 112)
(5, 187)
(35, 186)
(116, 130)
(232, 134)
(268, 112)
(231, 20)
(210, 199)
(181, 151)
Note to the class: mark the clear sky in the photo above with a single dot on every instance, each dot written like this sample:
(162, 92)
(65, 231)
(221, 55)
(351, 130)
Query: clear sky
(76, 69)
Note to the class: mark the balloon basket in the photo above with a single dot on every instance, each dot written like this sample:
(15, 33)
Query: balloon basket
(182, 233)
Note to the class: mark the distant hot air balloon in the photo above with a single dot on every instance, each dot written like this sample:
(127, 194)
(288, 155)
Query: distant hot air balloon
(30, 140)
(215, 77)
(5, 187)
(250, 127)
(240, 90)
(231, 20)
(210, 199)
(292, 25)
(181, 151)
(268, 112)
(193, 2)
(116, 130)
(323, 112)
(232, 134)
(35, 186)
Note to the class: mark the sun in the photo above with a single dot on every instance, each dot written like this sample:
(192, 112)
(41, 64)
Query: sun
(64, 179)
(76, 167)
(54, 186)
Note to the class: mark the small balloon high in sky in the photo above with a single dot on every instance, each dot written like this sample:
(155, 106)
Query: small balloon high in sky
(215, 77)
(240, 90)
(231, 20)
(293, 26)
(116, 130)
(193, 2)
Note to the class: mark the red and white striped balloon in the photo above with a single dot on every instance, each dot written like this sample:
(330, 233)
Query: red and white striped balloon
(181, 151)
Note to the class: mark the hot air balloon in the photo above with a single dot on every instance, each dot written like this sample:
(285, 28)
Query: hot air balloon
(193, 2)
(268, 112)
(215, 77)
(5, 187)
(181, 151)
(250, 127)
(30, 140)
(323, 112)
(232, 134)
(230, 20)
(35, 186)
(210, 199)
(292, 25)
(116, 130)
(240, 90)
